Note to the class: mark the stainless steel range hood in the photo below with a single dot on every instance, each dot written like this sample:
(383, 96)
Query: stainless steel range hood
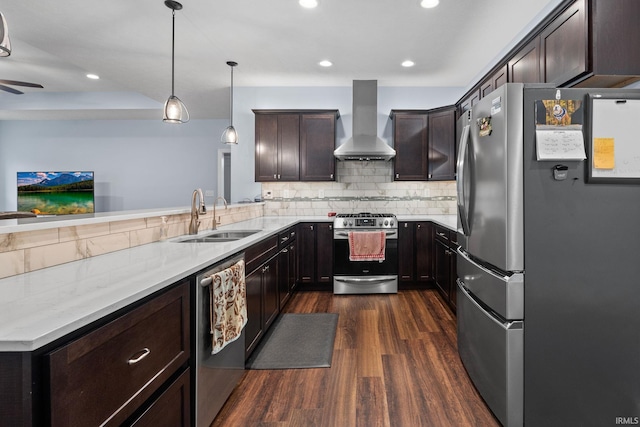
(365, 144)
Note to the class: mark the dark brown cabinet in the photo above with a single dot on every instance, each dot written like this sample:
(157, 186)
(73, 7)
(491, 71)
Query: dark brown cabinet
(563, 46)
(295, 145)
(324, 253)
(582, 43)
(497, 79)
(261, 280)
(524, 67)
(315, 255)
(445, 264)
(593, 43)
(171, 408)
(104, 376)
(415, 254)
(277, 147)
(424, 141)
(469, 101)
(410, 140)
(406, 253)
(424, 251)
(442, 144)
(317, 143)
(287, 265)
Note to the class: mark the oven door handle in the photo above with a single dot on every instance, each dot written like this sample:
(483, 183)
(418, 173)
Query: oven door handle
(346, 233)
(372, 279)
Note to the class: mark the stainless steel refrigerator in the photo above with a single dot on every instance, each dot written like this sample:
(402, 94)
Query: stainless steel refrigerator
(549, 264)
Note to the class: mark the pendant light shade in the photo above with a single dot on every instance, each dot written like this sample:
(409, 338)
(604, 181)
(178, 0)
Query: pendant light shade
(5, 43)
(230, 136)
(174, 110)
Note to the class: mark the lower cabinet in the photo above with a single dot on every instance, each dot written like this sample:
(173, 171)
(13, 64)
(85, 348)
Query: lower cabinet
(171, 408)
(315, 255)
(104, 376)
(445, 264)
(270, 299)
(261, 280)
(287, 265)
(415, 254)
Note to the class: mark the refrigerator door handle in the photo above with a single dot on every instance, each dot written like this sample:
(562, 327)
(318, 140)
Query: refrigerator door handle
(463, 210)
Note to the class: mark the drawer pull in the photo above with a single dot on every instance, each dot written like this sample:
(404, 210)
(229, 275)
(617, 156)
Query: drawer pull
(137, 357)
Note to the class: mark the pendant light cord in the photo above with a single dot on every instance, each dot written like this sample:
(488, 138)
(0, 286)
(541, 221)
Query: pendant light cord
(231, 97)
(173, 48)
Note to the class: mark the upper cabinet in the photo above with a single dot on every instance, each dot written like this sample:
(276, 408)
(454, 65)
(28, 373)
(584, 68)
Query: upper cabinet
(410, 140)
(317, 142)
(295, 145)
(563, 46)
(424, 141)
(494, 81)
(583, 43)
(524, 67)
(442, 144)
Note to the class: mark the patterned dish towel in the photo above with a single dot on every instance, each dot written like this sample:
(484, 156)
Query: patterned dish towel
(228, 313)
(366, 245)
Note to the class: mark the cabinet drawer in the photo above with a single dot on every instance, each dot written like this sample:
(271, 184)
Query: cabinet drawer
(257, 254)
(104, 376)
(171, 409)
(442, 234)
(285, 237)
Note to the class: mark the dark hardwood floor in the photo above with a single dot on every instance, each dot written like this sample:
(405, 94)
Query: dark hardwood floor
(395, 363)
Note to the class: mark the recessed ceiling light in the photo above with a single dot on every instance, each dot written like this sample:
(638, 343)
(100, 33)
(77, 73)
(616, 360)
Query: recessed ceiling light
(428, 4)
(408, 63)
(309, 4)
(93, 76)
(325, 63)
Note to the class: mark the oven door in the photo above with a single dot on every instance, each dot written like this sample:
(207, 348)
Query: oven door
(360, 277)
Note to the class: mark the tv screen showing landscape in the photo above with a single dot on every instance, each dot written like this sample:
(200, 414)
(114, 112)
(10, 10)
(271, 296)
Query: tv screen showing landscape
(56, 193)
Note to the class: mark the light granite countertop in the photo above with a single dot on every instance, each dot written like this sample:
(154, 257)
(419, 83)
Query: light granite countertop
(39, 307)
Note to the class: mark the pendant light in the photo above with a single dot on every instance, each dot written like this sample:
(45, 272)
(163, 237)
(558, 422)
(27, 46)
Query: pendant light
(5, 43)
(174, 109)
(230, 136)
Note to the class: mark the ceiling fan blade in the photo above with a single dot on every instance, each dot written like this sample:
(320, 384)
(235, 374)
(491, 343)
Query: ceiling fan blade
(10, 90)
(17, 83)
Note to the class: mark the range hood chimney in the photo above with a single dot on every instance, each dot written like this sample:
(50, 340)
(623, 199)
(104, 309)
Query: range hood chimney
(365, 144)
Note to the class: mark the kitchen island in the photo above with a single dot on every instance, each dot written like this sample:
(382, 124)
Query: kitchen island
(52, 308)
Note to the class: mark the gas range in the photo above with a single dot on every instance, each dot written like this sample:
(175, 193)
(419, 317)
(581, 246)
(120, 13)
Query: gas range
(365, 220)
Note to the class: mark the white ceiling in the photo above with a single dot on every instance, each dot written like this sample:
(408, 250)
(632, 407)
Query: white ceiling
(276, 43)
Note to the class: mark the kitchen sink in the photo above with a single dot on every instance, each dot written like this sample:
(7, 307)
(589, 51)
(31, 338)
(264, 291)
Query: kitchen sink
(219, 236)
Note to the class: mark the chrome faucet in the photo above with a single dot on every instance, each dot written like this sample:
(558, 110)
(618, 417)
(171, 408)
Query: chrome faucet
(196, 210)
(216, 222)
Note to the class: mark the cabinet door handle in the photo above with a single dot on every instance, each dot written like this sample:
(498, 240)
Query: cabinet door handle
(331, 176)
(419, 226)
(285, 250)
(330, 227)
(440, 234)
(311, 227)
(429, 176)
(278, 176)
(275, 176)
(397, 175)
(138, 356)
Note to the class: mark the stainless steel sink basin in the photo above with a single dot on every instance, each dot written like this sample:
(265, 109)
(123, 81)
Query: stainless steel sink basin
(219, 236)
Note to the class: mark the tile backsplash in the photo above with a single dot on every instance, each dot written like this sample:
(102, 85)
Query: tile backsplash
(360, 187)
(27, 251)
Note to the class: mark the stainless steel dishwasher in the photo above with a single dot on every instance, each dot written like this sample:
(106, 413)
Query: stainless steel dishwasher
(216, 374)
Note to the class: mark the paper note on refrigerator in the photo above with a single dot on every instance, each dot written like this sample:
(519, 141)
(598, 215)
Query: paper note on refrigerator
(560, 144)
(603, 153)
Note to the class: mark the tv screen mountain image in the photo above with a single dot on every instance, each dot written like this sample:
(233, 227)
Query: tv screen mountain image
(56, 193)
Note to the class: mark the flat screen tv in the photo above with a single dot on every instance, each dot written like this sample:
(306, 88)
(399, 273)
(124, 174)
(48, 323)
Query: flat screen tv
(56, 193)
